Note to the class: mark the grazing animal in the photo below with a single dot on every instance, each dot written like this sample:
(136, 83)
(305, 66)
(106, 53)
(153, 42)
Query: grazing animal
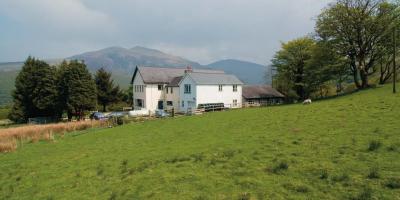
(307, 101)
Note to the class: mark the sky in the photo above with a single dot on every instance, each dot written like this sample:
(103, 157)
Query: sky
(200, 30)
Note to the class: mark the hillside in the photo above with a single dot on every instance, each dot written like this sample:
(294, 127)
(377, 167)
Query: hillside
(343, 148)
(125, 60)
(248, 72)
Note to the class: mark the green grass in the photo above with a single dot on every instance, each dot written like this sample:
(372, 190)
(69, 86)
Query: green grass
(4, 112)
(320, 151)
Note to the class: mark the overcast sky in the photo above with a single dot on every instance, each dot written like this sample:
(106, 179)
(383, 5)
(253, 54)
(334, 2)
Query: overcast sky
(200, 30)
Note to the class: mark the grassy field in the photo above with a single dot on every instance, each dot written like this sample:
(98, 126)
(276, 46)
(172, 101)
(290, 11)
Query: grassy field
(4, 112)
(344, 148)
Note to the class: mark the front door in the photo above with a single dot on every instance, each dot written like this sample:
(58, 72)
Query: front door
(160, 105)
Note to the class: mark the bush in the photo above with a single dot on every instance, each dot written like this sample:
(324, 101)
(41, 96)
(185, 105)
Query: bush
(373, 173)
(365, 194)
(393, 183)
(282, 166)
(324, 174)
(374, 145)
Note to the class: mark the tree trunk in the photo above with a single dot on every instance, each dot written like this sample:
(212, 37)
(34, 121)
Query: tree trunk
(364, 79)
(104, 107)
(355, 77)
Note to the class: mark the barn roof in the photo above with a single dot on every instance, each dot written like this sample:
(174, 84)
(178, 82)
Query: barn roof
(215, 79)
(163, 75)
(260, 91)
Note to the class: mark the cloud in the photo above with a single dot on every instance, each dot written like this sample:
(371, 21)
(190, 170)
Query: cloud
(58, 18)
(203, 31)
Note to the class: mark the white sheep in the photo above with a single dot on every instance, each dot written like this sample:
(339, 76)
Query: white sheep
(307, 101)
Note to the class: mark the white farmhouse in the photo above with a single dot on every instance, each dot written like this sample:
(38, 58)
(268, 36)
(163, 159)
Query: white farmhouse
(184, 89)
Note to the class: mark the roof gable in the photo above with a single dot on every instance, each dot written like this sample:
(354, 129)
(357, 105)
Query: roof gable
(161, 75)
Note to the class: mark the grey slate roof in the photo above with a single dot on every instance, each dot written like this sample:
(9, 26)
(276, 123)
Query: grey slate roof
(161, 75)
(175, 82)
(215, 79)
(260, 91)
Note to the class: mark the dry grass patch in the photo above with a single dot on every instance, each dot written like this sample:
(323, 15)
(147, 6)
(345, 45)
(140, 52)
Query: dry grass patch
(35, 133)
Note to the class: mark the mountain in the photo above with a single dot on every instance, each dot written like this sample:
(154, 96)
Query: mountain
(248, 72)
(124, 60)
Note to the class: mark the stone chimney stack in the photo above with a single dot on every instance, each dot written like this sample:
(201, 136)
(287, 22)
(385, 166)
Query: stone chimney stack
(188, 69)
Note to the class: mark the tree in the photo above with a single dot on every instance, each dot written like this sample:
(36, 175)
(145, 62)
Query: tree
(77, 89)
(290, 63)
(107, 93)
(35, 93)
(356, 29)
(324, 67)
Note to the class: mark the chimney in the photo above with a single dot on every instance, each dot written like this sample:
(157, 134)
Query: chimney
(188, 69)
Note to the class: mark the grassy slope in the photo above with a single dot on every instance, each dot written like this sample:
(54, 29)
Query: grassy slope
(224, 155)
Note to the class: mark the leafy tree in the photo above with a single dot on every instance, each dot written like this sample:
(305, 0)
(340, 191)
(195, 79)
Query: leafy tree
(290, 63)
(107, 92)
(325, 68)
(127, 95)
(77, 89)
(356, 29)
(35, 93)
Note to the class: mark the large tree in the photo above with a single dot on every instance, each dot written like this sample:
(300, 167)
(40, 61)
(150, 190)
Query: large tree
(356, 29)
(290, 63)
(107, 92)
(35, 93)
(77, 89)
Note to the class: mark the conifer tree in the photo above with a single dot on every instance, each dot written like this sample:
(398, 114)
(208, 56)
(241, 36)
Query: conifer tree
(107, 92)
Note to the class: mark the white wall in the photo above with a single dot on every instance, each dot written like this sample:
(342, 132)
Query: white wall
(153, 95)
(174, 97)
(211, 94)
(137, 81)
(187, 97)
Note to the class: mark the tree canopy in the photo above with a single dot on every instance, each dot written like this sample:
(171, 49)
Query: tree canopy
(35, 93)
(107, 92)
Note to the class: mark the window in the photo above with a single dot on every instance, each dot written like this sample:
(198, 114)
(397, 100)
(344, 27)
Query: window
(183, 103)
(170, 103)
(139, 88)
(139, 103)
(167, 90)
(160, 87)
(235, 103)
(172, 90)
(220, 88)
(235, 88)
(188, 89)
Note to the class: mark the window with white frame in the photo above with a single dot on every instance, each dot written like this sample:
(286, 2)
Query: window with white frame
(188, 89)
(220, 88)
(235, 88)
(172, 90)
(160, 87)
(183, 103)
(166, 90)
(235, 103)
(170, 103)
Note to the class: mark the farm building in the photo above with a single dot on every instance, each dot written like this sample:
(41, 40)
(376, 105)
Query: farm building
(261, 95)
(184, 89)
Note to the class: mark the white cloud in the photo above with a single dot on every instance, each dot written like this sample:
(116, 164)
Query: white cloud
(203, 31)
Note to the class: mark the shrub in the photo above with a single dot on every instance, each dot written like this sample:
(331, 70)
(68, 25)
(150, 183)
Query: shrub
(282, 166)
(373, 173)
(374, 145)
(324, 174)
(393, 183)
(365, 194)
